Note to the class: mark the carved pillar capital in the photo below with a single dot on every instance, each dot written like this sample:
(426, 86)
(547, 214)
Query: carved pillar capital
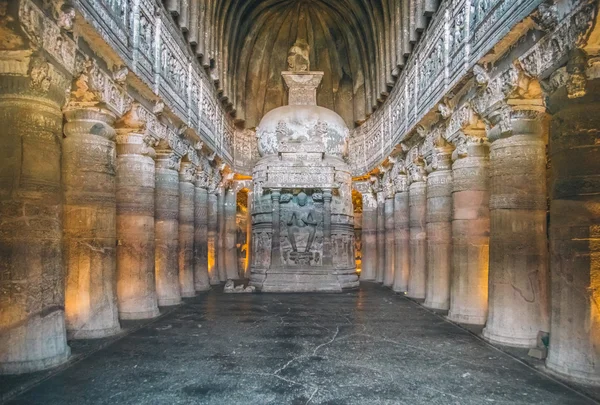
(166, 157)
(94, 88)
(186, 172)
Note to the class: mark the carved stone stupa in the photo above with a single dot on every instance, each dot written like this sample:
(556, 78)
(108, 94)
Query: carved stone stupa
(302, 217)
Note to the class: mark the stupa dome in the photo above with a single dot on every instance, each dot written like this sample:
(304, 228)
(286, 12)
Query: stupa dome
(302, 124)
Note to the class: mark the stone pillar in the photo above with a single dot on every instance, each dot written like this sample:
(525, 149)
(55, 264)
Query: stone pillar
(470, 232)
(275, 247)
(201, 219)
(380, 236)
(167, 226)
(402, 233)
(439, 230)
(213, 231)
(518, 273)
(575, 230)
(390, 247)
(249, 234)
(229, 237)
(32, 316)
(221, 263)
(369, 233)
(90, 234)
(136, 286)
(186, 229)
(417, 199)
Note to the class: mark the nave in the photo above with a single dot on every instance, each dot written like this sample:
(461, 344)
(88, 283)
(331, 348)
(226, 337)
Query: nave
(369, 346)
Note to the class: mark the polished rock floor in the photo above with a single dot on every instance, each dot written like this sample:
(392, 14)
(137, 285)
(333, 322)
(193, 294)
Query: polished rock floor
(364, 347)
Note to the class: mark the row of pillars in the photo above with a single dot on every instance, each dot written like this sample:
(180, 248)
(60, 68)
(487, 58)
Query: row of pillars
(96, 225)
(472, 238)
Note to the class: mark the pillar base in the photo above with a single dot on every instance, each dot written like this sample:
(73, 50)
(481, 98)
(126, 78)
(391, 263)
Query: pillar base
(467, 319)
(202, 288)
(169, 302)
(511, 341)
(188, 294)
(93, 334)
(573, 375)
(22, 367)
(132, 316)
(416, 297)
(400, 291)
(436, 306)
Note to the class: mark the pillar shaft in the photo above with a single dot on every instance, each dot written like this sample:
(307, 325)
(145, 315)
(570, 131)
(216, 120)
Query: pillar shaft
(88, 174)
(167, 228)
(186, 229)
(575, 237)
(249, 234)
(136, 286)
(417, 278)
(201, 279)
(388, 276)
(470, 237)
(439, 233)
(231, 255)
(380, 237)
(518, 271)
(369, 237)
(221, 264)
(401, 238)
(32, 316)
(213, 231)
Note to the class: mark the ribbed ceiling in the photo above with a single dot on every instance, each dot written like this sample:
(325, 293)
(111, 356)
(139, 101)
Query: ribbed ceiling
(359, 44)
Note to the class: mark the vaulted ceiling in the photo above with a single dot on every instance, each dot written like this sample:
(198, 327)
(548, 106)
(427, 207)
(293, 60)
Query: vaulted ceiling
(361, 45)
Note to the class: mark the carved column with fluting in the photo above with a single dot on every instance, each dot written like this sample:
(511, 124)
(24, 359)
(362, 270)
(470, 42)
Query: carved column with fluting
(186, 229)
(201, 278)
(136, 286)
(518, 266)
(575, 223)
(90, 233)
(221, 264)
(380, 234)
(167, 225)
(439, 229)
(417, 278)
(32, 312)
(470, 230)
(390, 245)
(402, 229)
(229, 238)
(213, 231)
(369, 231)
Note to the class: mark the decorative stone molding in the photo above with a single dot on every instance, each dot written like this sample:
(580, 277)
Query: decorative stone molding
(471, 28)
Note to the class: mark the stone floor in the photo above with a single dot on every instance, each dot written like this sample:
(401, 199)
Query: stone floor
(364, 347)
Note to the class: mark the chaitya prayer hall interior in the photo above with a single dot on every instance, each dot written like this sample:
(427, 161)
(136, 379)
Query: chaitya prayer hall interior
(300, 202)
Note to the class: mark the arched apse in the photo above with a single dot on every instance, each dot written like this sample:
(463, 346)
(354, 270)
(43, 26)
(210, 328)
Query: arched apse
(360, 45)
